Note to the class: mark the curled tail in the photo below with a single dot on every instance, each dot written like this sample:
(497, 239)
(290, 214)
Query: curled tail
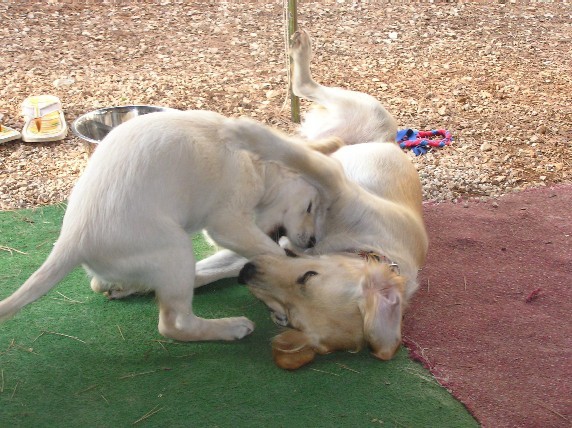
(58, 264)
(321, 171)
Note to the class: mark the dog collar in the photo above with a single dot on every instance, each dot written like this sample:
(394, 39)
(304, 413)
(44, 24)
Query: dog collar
(372, 256)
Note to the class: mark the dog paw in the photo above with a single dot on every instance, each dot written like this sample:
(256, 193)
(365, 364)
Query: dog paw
(240, 327)
(279, 319)
(189, 328)
(115, 291)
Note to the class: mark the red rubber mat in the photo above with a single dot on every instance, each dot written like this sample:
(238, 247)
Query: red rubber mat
(493, 316)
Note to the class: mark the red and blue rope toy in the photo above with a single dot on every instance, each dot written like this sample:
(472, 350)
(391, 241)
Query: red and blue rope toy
(421, 141)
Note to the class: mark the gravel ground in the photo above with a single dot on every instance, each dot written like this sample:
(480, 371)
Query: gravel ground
(498, 76)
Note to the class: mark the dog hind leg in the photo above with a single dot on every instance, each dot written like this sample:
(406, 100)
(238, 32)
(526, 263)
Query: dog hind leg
(177, 321)
(303, 85)
(354, 117)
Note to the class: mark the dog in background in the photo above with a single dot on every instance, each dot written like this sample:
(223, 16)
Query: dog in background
(151, 182)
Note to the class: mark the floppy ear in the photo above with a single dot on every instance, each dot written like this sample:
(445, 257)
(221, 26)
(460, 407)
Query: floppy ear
(326, 146)
(381, 309)
(292, 350)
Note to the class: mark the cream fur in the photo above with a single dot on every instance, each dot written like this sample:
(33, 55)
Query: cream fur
(352, 116)
(151, 182)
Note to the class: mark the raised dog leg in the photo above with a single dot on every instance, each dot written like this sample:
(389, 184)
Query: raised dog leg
(354, 117)
(302, 83)
(323, 172)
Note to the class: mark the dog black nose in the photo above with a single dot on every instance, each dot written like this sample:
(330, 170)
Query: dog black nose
(246, 273)
(312, 242)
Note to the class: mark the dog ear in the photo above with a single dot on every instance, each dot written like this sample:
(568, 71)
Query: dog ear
(292, 350)
(381, 309)
(326, 146)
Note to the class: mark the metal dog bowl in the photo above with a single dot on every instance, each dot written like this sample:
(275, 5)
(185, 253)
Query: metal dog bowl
(92, 127)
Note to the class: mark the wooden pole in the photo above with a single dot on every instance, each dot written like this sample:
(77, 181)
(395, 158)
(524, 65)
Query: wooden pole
(292, 28)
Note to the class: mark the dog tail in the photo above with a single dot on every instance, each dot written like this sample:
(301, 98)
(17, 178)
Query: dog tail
(58, 264)
(323, 172)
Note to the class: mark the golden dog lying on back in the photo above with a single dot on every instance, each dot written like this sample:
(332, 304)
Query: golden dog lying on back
(354, 286)
(350, 290)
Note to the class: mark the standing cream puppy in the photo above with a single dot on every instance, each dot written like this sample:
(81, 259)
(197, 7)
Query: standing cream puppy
(151, 182)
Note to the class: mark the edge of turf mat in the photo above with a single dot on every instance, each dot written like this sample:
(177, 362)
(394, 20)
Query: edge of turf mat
(73, 358)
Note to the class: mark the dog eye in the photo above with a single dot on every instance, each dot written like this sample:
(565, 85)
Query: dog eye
(309, 210)
(302, 280)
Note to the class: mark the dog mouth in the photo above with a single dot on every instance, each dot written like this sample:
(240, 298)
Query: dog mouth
(279, 318)
(278, 232)
(247, 273)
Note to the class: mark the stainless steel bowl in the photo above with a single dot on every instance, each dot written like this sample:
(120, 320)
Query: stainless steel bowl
(92, 127)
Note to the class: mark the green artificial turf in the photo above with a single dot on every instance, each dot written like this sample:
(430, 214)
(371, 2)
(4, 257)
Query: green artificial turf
(75, 359)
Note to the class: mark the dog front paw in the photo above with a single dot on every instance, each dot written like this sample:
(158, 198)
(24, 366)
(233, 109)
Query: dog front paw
(240, 327)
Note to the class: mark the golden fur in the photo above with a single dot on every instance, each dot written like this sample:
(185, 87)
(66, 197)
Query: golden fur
(334, 308)
(330, 298)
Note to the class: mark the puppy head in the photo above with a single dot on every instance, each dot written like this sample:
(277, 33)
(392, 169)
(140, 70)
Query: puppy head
(298, 204)
(328, 303)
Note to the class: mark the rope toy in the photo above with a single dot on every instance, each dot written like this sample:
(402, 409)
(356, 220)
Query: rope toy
(421, 141)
